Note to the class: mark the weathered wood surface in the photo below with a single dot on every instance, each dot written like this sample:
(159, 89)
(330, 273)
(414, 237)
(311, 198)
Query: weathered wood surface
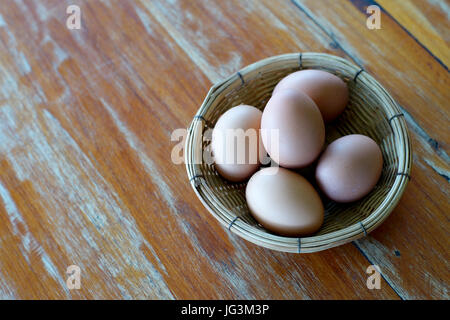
(427, 21)
(85, 171)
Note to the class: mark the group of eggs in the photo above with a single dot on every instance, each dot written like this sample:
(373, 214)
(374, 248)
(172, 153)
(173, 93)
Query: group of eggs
(280, 198)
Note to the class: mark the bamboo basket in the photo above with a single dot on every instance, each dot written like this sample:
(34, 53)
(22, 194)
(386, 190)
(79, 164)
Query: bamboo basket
(371, 111)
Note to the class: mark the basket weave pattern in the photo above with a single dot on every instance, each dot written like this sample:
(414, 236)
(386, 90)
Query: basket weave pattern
(371, 111)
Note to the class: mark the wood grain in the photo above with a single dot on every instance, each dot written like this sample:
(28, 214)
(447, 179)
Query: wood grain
(85, 171)
(420, 18)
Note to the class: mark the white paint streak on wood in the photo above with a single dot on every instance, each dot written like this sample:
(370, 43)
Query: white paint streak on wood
(9, 87)
(145, 20)
(106, 3)
(18, 56)
(113, 205)
(233, 65)
(2, 22)
(44, 13)
(22, 62)
(260, 8)
(185, 44)
(29, 18)
(148, 163)
(421, 19)
(29, 243)
(58, 168)
(6, 291)
(444, 7)
(438, 287)
(124, 294)
(59, 54)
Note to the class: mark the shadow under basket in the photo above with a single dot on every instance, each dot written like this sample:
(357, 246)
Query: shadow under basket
(371, 111)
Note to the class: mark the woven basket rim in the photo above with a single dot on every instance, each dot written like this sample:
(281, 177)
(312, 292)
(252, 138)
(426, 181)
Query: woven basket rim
(317, 242)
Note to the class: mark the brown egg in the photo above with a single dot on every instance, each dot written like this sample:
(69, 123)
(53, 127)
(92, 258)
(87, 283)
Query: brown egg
(329, 92)
(284, 202)
(236, 143)
(301, 131)
(349, 168)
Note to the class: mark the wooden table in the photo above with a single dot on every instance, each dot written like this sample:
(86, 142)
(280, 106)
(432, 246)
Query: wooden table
(86, 177)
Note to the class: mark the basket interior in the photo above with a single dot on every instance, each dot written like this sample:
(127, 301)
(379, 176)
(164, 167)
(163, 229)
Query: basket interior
(364, 115)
